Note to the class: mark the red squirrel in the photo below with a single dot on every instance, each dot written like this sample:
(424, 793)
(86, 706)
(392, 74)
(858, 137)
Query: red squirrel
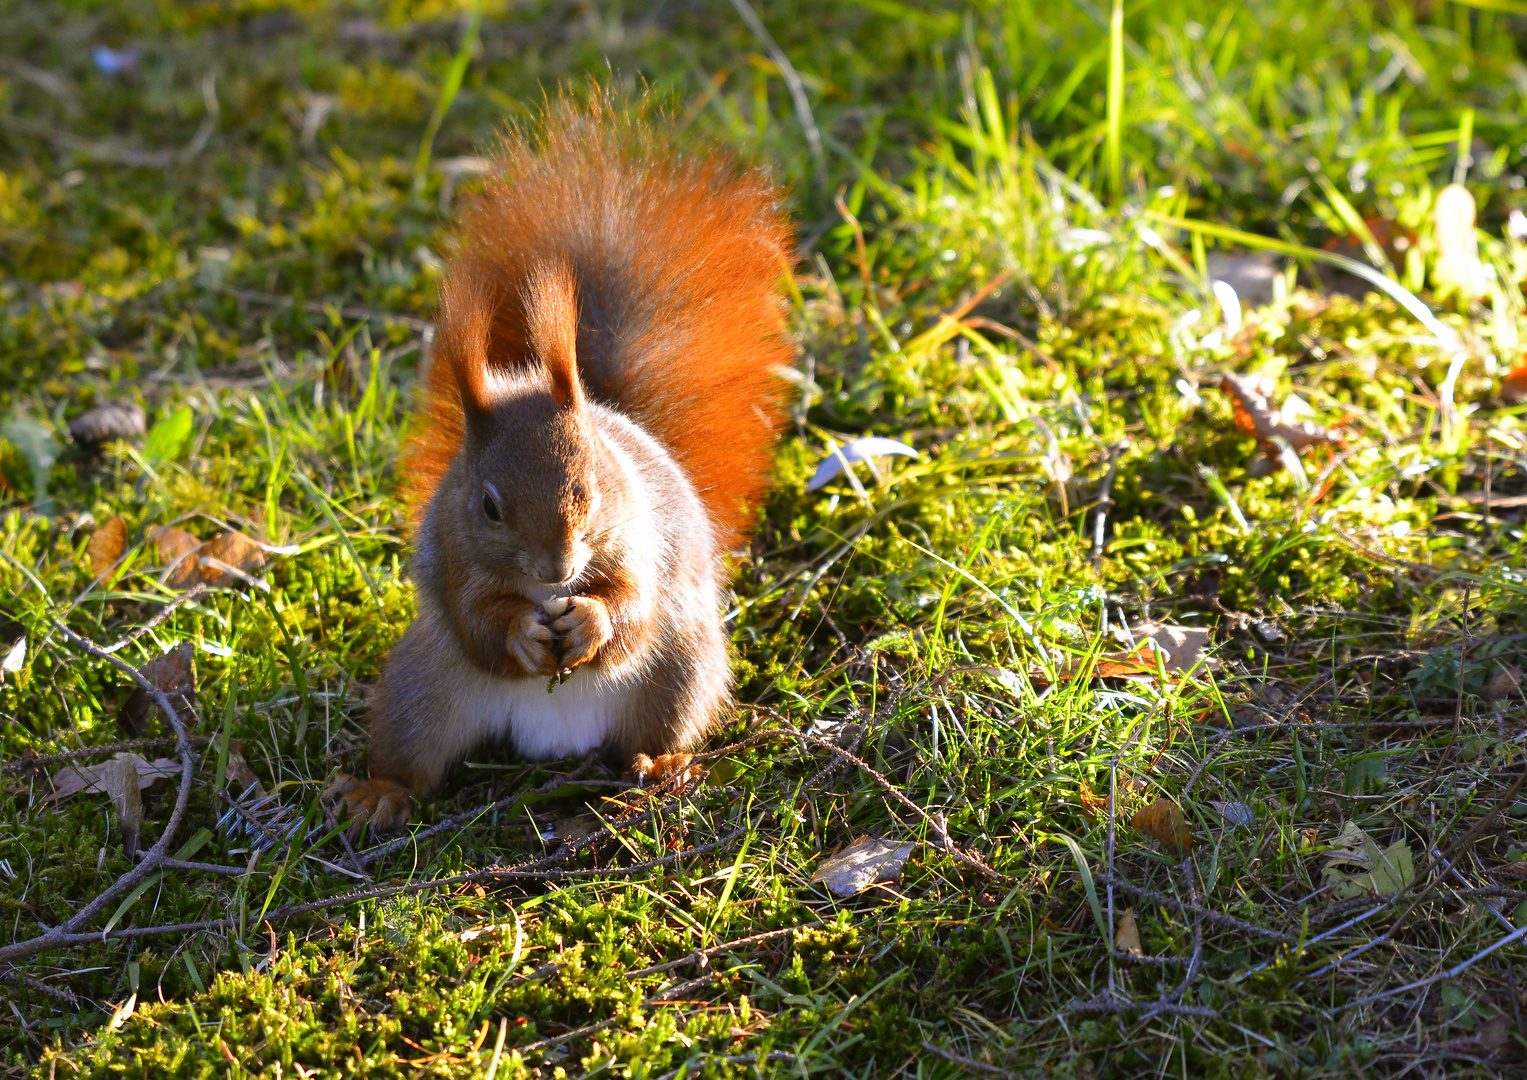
(595, 433)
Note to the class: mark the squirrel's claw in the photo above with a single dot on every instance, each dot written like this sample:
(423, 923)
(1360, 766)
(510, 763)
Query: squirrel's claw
(584, 629)
(531, 645)
(379, 802)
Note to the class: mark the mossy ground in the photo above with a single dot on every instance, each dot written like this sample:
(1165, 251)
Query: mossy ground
(242, 223)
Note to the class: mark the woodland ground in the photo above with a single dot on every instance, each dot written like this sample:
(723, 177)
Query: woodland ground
(230, 211)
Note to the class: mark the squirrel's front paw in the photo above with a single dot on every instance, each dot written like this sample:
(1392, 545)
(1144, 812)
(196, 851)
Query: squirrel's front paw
(532, 642)
(379, 802)
(583, 629)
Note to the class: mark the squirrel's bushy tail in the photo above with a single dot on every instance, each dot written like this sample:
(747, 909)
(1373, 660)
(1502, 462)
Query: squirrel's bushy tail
(677, 259)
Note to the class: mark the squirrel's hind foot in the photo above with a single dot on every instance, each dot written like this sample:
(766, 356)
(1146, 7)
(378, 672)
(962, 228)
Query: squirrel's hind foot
(379, 802)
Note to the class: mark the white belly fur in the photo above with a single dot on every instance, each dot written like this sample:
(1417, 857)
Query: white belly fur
(573, 719)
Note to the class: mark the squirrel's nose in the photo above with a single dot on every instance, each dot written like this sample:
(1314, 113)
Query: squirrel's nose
(562, 565)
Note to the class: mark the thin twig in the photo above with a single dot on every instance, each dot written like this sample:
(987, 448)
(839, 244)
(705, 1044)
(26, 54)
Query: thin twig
(475, 877)
(57, 993)
(937, 825)
(202, 867)
(1229, 922)
(154, 858)
(773, 1056)
(28, 763)
(726, 946)
(1451, 973)
(965, 1062)
(158, 617)
(594, 1029)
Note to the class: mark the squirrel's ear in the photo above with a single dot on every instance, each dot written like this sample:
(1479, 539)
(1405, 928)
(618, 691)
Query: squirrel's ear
(467, 304)
(551, 323)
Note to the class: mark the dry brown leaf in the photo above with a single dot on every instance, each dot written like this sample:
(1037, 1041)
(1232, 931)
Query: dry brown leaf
(1257, 416)
(122, 1013)
(1504, 683)
(863, 863)
(239, 777)
(569, 830)
(1494, 1036)
(1164, 820)
(480, 931)
(1110, 665)
(229, 557)
(106, 545)
(13, 657)
(119, 778)
(1513, 389)
(174, 674)
(1127, 938)
(73, 779)
(1093, 807)
(173, 544)
(1181, 648)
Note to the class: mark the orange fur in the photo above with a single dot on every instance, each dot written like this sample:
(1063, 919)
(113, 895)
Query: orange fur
(675, 261)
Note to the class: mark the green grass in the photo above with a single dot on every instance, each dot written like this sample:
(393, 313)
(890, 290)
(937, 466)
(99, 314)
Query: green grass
(245, 227)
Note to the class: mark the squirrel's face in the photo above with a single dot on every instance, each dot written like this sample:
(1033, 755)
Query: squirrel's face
(539, 476)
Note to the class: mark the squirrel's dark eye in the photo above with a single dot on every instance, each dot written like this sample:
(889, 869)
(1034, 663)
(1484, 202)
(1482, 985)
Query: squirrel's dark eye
(490, 507)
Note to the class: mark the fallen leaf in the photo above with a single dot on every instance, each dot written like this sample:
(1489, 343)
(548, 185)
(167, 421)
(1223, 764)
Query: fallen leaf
(106, 545)
(648, 770)
(1008, 680)
(1164, 820)
(239, 777)
(15, 658)
(229, 557)
(863, 863)
(1513, 389)
(35, 442)
(119, 777)
(122, 1013)
(1379, 871)
(1093, 805)
(1127, 938)
(173, 544)
(73, 779)
(1269, 424)
(1181, 648)
(174, 674)
(571, 829)
(1249, 273)
(107, 421)
(1237, 813)
(1495, 1034)
(479, 931)
(1458, 269)
(870, 446)
(167, 438)
(1503, 684)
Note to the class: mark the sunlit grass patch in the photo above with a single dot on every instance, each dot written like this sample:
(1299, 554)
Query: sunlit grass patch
(1009, 268)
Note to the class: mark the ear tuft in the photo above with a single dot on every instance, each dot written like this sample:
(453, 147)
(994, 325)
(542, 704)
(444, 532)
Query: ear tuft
(551, 323)
(468, 301)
